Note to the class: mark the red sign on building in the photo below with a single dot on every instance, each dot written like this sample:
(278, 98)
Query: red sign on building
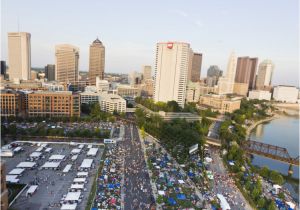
(170, 45)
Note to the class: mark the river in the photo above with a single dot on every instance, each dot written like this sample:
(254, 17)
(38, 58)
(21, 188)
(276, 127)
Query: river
(283, 132)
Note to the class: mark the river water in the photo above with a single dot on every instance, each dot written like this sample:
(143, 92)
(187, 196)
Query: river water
(283, 132)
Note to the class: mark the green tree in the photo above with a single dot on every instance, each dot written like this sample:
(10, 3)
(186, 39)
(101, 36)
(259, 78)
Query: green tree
(276, 178)
(271, 206)
(264, 171)
(261, 202)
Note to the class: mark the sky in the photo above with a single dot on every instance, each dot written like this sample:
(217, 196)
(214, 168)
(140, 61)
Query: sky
(267, 29)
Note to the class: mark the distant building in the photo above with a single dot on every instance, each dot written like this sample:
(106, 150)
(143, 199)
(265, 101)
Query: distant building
(12, 103)
(246, 71)
(50, 72)
(102, 85)
(53, 104)
(192, 92)
(19, 55)
(112, 102)
(264, 76)
(33, 75)
(213, 74)
(171, 71)
(260, 95)
(54, 86)
(89, 97)
(3, 68)
(146, 88)
(241, 89)
(221, 103)
(4, 191)
(97, 61)
(195, 67)
(66, 63)
(128, 91)
(226, 84)
(288, 94)
(147, 72)
(135, 78)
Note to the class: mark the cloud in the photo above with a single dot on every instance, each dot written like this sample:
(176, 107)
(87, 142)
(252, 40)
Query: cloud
(180, 13)
(198, 23)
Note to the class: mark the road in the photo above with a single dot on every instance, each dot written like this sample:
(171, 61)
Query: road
(225, 185)
(137, 187)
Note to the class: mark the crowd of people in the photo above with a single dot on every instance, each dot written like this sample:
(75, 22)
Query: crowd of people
(108, 195)
(173, 186)
(137, 187)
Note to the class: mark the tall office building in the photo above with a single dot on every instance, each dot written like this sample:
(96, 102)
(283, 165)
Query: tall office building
(147, 72)
(265, 73)
(66, 63)
(226, 84)
(97, 61)
(213, 74)
(195, 67)
(246, 71)
(19, 55)
(171, 71)
(50, 72)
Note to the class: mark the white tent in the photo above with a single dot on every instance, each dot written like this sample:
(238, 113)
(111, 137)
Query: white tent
(77, 186)
(39, 149)
(51, 165)
(16, 171)
(92, 152)
(161, 192)
(35, 154)
(90, 146)
(81, 146)
(31, 189)
(223, 202)
(17, 149)
(181, 181)
(12, 178)
(73, 196)
(67, 168)
(75, 151)
(26, 165)
(79, 180)
(48, 149)
(82, 174)
(86, 163)
(69, 206)
(74, 157)
(57, 157)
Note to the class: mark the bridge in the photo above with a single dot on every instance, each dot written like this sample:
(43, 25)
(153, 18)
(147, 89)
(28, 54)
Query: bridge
(270, 151)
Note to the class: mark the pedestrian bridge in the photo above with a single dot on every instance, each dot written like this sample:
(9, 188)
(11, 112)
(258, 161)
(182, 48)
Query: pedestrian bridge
(269, 151)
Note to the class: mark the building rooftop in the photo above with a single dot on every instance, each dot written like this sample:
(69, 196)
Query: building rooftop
(97, 41)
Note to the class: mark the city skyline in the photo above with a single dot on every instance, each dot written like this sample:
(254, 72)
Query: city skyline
(127, 50)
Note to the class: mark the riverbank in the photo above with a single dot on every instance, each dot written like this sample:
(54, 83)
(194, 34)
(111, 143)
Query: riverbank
(251, 127)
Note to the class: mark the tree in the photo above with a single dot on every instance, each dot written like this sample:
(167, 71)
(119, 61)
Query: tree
(271, 206)
(276, 178)
(143, 132)
(261, 202)
(96, 110)
(255, 193)
(173, 106)
(264, 172)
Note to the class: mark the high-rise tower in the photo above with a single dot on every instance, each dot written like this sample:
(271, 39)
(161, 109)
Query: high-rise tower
(97, 61)
(171, 70)
(66, 63)
(19, 55)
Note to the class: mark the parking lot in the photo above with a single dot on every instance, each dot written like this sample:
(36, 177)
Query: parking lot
(53, 184)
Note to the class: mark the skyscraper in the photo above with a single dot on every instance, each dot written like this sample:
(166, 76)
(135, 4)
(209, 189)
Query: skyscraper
(246, 71)
(147, 72)
(50, 72)
(66, 63)
(265, 73)
(19, 55)
(195, 67)
(97, 61)
(226, 84)
(171, 71)
(213, 74)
